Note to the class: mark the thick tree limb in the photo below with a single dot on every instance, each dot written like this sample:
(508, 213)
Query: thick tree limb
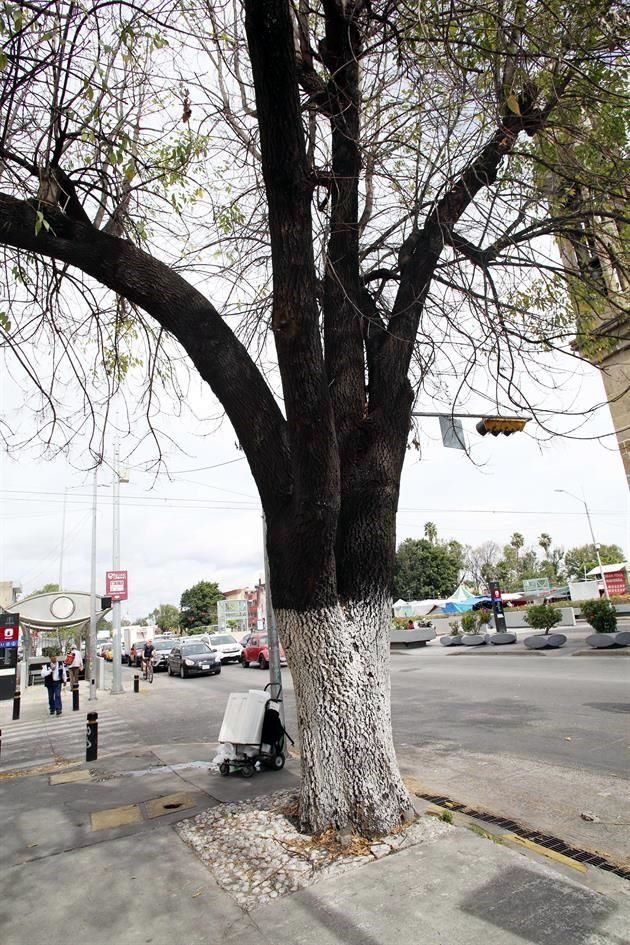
(220, 358)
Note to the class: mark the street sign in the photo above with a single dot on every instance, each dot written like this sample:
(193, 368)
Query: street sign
(500, 624)
(116, 585)
(452, 431)
(616, 583)
(534, 585)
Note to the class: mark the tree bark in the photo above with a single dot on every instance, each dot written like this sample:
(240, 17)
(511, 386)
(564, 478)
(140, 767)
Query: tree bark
(339, 660)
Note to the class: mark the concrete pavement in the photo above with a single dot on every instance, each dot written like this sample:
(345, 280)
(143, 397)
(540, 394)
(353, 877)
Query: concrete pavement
(75, 865)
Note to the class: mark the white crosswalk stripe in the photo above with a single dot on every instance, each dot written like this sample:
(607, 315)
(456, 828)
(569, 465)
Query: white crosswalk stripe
(42, 740)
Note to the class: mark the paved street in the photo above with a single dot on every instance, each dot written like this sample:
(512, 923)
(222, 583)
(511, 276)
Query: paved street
(541, 739)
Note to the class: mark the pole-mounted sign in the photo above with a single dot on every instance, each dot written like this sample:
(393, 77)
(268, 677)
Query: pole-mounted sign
(116, 585)
(500, 624)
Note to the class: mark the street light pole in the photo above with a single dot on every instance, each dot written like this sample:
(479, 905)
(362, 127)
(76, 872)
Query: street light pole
(117, 686)
(595, 544)
(91, 661)
(275, 672)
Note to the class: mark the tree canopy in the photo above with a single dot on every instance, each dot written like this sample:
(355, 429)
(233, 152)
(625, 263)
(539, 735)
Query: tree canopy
(198, 605)
(166, 616)
(581, 559)
(326, 209)
(426, 569)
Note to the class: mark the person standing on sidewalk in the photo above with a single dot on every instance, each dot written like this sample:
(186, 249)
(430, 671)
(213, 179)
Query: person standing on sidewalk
(54, 675)
(75, 666)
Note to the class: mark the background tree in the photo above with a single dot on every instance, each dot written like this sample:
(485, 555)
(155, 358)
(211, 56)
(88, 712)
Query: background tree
(581, 559)
(430, 532)
(370, 181)
(545, 541)
(166, 617)
(481, 563)
(424, 570)
(46, 589)
(198, 605)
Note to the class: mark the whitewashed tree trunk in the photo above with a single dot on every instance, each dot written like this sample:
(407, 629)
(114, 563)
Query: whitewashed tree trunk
(339, 660)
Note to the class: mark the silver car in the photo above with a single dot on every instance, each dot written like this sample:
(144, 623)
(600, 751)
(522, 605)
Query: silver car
(228, 648)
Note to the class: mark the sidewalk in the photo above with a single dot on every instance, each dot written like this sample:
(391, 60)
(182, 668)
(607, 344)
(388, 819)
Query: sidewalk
(91, 853)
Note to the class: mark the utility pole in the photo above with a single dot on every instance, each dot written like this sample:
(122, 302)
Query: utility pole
(63, 537)
(117, 686)
(275, 672)
(91, 654)
(595, 543)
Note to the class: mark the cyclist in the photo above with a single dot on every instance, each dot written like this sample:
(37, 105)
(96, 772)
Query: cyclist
(147, 654)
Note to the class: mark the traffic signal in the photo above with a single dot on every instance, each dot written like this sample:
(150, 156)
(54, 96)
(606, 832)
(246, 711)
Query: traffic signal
(504, 425)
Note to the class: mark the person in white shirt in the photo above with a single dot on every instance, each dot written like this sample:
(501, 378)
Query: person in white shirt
(54, 675)
(75, 667)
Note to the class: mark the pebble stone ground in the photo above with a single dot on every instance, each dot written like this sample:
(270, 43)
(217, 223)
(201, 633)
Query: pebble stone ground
(255, 852)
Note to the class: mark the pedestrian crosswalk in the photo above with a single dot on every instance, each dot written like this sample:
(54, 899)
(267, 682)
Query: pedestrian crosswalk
(54, 738)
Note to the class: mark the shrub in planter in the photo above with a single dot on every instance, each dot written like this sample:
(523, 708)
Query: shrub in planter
(455, 628)
(483, 618)
(601, 615)
(543, 617)
(469, 622)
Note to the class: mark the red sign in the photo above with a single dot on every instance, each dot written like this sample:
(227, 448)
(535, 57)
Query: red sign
(116, 585)
(616, 583)
(9, 635)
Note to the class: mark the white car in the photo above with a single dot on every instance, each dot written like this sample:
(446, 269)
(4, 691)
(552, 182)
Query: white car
(228, 648)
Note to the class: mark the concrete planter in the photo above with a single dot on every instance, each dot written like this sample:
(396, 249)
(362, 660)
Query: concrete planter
(622, 638)
(550, 641)
(474, 639)
(450, 640)
(411, 638)
(516, 619)
(602, 641)
(500, 639)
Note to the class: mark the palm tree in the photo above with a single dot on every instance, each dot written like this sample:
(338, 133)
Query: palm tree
(545, 543)
(430, 532)
(517, 541)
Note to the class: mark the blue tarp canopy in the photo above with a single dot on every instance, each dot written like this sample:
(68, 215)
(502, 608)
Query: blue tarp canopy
(461, 606)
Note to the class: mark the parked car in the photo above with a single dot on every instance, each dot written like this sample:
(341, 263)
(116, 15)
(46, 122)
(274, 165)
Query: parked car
(161, 650)
(193, 659)
(256, 650)
(229, 650)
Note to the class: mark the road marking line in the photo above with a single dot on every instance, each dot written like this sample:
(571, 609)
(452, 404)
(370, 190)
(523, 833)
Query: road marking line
(544, 851)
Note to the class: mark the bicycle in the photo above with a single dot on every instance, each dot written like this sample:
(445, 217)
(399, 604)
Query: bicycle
(148, 670)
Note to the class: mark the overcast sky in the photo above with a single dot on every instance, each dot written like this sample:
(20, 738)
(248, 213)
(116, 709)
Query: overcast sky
(205, 524)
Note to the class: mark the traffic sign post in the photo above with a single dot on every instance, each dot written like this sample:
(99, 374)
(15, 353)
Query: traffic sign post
(9, 635)
(500, 624)
(116, 585)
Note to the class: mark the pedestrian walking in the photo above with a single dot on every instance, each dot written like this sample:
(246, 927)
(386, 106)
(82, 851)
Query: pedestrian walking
(54, 675)
(75, 665)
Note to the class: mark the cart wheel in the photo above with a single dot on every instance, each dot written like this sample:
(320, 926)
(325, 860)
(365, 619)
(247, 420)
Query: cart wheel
(224, 768)
(278, 762)
(247, 771)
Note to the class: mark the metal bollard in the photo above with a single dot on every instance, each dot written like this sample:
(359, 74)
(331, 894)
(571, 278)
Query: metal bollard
(16, 705)
(91, 741)
(136, 683)
(75, 697)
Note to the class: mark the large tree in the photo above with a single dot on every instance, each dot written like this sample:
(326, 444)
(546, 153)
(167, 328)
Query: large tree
(425, 569)
(582, 559)
(360, 184)
(198, 605)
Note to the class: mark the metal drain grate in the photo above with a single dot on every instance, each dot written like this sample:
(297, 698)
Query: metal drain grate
(544, 840)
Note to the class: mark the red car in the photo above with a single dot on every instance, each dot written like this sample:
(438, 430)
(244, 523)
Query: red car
(256, 650)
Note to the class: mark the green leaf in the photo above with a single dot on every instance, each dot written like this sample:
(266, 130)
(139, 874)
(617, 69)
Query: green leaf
(512, 103)
(40, 221)
(5, 322)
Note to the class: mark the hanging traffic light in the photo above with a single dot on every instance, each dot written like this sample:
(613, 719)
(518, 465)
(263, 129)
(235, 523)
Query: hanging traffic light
(504, 425)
